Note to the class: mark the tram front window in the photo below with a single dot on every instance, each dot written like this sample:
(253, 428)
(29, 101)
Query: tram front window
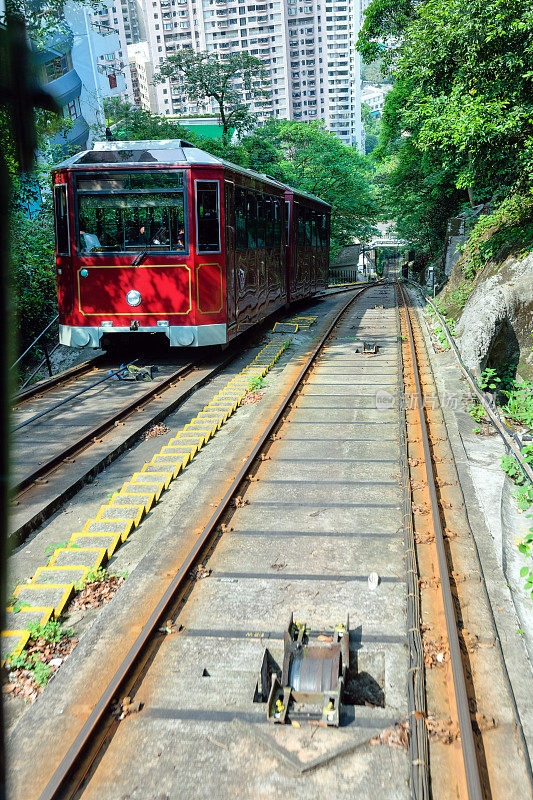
(115, 218)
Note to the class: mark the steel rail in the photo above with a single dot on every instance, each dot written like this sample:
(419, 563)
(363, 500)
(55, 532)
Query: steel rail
(57, 785)
(470, 762)
(100, 429)
(71, 397)
(63, 377)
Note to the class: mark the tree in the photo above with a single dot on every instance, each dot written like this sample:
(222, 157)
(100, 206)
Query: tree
(204, 76)
(384, 25)
(457, 126)
(132, 123)
(308, 157)
(372, 127)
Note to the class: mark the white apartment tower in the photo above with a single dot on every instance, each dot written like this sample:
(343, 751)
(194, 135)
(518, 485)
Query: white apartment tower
(307, 47)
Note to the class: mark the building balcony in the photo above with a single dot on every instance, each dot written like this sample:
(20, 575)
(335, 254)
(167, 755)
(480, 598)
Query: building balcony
(74, 140)
(65, 88)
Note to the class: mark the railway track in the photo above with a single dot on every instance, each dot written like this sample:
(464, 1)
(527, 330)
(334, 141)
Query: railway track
(340, 506)
(66, 377)
(45, 472)
(96, 436)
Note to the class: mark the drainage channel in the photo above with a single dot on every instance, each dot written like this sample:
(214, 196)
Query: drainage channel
(100, 725)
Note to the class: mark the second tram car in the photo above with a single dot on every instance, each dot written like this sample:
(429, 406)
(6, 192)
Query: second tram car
(161, 237)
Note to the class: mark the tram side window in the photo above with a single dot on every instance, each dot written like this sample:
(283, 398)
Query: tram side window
(251, 220)
(267, 206)
(261, 222)
(323, 230)
(270, 217)
(129, 222)
(276, 223)
(208, 216)
(320, 230)
(308, 224)
(61, 215)
(241, 237)
(301, 227)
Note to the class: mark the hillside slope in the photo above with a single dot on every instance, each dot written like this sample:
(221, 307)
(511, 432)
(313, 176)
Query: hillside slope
(490, 294)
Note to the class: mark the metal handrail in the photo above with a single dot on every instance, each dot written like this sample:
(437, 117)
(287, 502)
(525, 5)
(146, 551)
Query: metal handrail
(511, 440)
(45, 360)
(27, 350)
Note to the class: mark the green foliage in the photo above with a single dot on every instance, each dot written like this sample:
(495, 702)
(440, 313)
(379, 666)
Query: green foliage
(524, 490)
(204, 76)
(17, 662)
(510, 466)
(373, 72)
(476, 412)
(256, 384)
(33, 270)
(50, 632)
(98, 575)
(132, 123)
(458, 123)
(509, 226)
(372, 128)
(488, 380)
(455, 300)
(524, 496)
(93, 576)
(519, 405)
(50, 549)
(39, 670)
(526, 548)
(385, 22)
(17, 605)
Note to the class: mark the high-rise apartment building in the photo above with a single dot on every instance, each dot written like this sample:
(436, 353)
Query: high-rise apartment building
(307, 47)
(141, 70)
(113, 64)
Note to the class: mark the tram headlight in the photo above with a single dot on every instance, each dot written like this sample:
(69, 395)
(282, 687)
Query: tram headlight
(133, 298)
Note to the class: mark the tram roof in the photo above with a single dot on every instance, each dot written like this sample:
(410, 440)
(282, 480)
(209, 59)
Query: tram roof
(169, 152)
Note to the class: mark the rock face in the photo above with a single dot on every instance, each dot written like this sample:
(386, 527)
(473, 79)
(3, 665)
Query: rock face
(497, 322)
(457, 233)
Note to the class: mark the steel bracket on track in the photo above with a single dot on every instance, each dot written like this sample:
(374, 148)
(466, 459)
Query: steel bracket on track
(366, 348)
(310, 684)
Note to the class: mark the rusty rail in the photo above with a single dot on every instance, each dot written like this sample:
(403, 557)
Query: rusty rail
(470, 761)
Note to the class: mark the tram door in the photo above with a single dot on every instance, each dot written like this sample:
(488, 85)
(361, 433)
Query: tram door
(231, 277)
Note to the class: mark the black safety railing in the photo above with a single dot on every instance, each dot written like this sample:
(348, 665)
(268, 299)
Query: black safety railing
(39, 346)
(341, 275)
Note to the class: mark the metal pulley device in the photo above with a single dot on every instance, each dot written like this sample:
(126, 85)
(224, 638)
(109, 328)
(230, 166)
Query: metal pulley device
(312, 677)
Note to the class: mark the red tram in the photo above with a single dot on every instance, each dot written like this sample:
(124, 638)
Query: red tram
(161, 237)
